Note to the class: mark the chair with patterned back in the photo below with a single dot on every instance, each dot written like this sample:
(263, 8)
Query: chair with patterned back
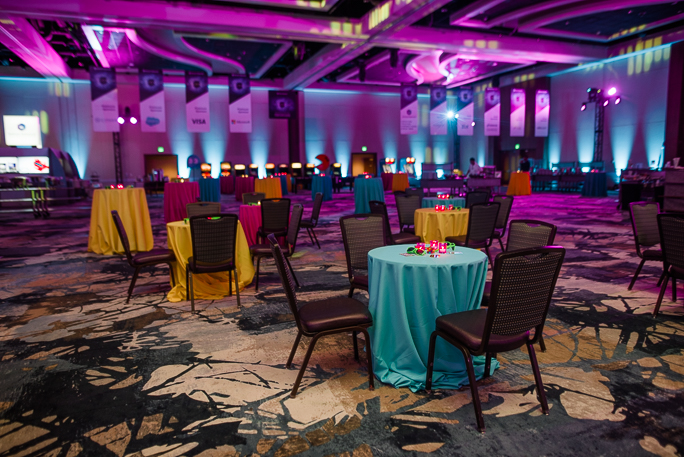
(275, 217)
(671, 227)
(380, 208)
(644, 216)
(406, 208)
(312, 222)
(475, 197)
(360, 234)
(202, 208)
(506, 203)
(252, 198)
(481, 222)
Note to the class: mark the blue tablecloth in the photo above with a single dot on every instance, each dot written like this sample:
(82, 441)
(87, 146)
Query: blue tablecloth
(210, 190)
(366, 190)
(595, 185)
(322, 184)
(430, 202)
(283, 184)
(407, 294)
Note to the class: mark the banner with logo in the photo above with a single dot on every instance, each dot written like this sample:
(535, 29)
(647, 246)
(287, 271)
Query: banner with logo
(282, 104)
(466, 112)
(541, 113)
(438, 110)
(104, 100)
(152, 104)
(239, 104)
(517, 112)
(197, 101)
(492, 114)
(408, 116)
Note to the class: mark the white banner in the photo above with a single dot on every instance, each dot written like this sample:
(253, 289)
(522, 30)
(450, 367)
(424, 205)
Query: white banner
(409, 109)
(541, 113)
(438, 110)
(240, 104)
(197, 102)
(152, 103)
(105, 100)
(466, 112)
(492, 115)
(517, 112)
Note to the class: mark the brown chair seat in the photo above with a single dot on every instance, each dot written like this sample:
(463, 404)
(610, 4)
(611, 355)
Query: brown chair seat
(468, 327)
(264, 249)
(405, 238)
(360, 281)
(652, 254)
(154, 256)
(307, 223)
(333, 313)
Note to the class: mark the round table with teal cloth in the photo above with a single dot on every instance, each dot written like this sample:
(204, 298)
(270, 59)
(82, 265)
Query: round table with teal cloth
(322, 184)
(210, 190)
(366, 190)
(431, 202)
(283, 184)
(595, 185)
(407, 294)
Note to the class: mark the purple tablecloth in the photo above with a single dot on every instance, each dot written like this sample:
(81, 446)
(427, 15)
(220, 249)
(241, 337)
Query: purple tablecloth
(387, 180)
(227, 184)
(176, 196)
(242, 185)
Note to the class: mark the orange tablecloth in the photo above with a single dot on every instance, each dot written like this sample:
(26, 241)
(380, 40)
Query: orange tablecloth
(400, 182)
(432, 225)
(269, 186)
(519, 184)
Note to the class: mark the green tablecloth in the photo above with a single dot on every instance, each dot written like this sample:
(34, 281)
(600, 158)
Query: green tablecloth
(430, 202)
(366, 190)
(407, 294)
(322, 184)
(210, 190)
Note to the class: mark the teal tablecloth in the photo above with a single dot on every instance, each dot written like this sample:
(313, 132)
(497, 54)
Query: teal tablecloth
(322, 184)
(210, 190)
(407, 294)
(366, 190)
(283, 185)
(431, 202)
(595, 185)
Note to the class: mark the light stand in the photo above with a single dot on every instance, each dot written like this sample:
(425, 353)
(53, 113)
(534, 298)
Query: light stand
(116, 139)
(596, 96)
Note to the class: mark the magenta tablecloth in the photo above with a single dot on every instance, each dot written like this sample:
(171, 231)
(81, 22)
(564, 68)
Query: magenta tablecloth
(250, 218)
(176, 196)
(387, 180)
(242, 185)
(227, 184)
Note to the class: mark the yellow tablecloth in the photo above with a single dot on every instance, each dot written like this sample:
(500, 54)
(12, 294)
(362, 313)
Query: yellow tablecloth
(208, 286)
(431, 225)
(399, 182)
(131, 204)
(519, 184)
(269, 186)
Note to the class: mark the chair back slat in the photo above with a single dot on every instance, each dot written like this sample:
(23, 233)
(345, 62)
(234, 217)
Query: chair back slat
(506, 203)
(522, 287)
(293, 228)
(475, 197)
(415, 191)
(380, 209)
(360, 234)
(315, 213)
(644, 217)
(527, 234)
(481, 222)
(213, 239)
(202, 208)
(285, 278)
(672, 239)
(123, 236)
(275, 214)
(406, 208)
(252, 197)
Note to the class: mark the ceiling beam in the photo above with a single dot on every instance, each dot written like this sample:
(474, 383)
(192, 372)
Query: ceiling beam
(463, 16)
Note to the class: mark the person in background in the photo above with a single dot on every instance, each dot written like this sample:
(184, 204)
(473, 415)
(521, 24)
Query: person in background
(474, 168)
(524, 163)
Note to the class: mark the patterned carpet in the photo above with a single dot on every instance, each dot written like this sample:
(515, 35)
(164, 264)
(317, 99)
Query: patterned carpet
(83, 373)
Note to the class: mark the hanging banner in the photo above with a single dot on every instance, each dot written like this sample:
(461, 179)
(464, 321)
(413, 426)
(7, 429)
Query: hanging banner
(492, 114)
(438, 110)
(466, 112)
(104, 100)
(408, 117)
(282, 104)
(542, 107)
(152, 105)
(197, 101)
(517, 112)
(240, 104)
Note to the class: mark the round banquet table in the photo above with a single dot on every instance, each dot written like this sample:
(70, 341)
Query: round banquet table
(268, 186)
(431, 202)
(366, 190)
(208, 286)
(210, 190)
(131, 204)
(595, 185)
(176, 196)
(407, 294)
(519, 184)
(400, 182)
(243, 185)
(432, 225)
(227, 184)
(322, 184)
(387, 179)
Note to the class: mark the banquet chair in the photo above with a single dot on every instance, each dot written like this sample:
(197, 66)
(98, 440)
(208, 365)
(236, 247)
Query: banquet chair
(360, 234)
(481, 222)
(275, 217)
(321, 318)
(259, 251)
(214, 245)
(202, 208)
(252, 198)
(671, 227)
(406, 208)
(380, 208)
(142, 259)
(415, 191)
(312, 222)
(476, 196)
(644, 217)
(524, 282)
(506, 203)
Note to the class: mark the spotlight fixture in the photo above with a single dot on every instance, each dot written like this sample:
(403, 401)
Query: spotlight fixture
(133, 120)
(450, 114)
(120, 120)
(595, 95)
(473, 123)
(456, 116)
(606, 102)
(612, 91)
(617, 100)
(584, 106)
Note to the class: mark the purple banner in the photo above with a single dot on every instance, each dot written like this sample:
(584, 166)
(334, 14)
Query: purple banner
(408, 116)
(492, 115)
(466, 112)
(518, 112)
(438, 110)
(541, 113)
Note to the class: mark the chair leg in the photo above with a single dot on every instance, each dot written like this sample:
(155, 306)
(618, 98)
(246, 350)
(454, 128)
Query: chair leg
(369, 357)
(351, 292)
(304, 364)
(192, 292)
(292, 271)
(230, 283)
(132, 286)
(431, 359)
(489, 257)
(257, 274)
(660, 296)
(187, 284)
(542, 345)
(674, 289)
(473, 390)
(501, 243)
(316, 238)
(173, 277)
(636, 273)
(660, 281)
(356, 346)
(488, 365)
(308, 231)
(537, 379)
(294, 349)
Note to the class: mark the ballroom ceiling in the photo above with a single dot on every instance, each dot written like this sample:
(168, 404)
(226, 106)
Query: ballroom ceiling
(346, 43)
